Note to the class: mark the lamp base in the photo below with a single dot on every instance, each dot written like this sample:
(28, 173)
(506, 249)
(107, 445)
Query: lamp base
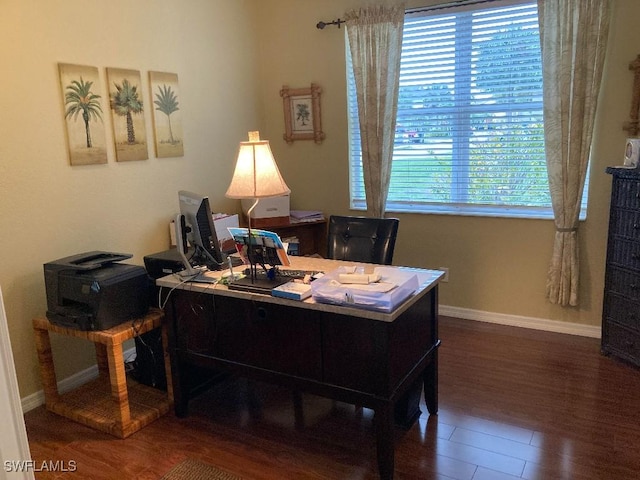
(257, 285)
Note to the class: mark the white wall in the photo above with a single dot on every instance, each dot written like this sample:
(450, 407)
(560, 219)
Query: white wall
(50, 209)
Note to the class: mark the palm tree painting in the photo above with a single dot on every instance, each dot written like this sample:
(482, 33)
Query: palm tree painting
(303, 114)
(127, 114)
(166, 114)
(83, 114)
(302, 120)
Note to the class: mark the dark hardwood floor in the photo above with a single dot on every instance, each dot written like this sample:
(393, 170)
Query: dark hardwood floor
(514, 403)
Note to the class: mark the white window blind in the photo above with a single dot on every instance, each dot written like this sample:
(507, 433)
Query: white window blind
(469, 135)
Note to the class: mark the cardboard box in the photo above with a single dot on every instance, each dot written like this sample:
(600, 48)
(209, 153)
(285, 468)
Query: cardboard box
(270, 212)
(221, 223)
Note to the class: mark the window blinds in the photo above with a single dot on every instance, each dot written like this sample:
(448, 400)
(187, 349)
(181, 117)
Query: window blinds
(469, 133)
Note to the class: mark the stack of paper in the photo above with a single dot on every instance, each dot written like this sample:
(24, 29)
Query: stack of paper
(292, 290)
(306, 215)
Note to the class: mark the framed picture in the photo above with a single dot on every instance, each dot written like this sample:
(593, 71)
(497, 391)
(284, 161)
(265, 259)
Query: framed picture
(167, 120)
(82, 98)
(127, 114)
(633, 125)
(632, 153)
(302, 120)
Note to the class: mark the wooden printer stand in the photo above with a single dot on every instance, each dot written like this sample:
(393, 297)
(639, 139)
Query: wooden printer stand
(110, 403)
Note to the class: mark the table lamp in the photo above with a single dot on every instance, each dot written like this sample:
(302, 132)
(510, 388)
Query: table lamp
(256, 176)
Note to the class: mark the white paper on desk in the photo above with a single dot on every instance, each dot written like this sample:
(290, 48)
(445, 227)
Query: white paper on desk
(306, 214)
(380, 287)
(404, 283)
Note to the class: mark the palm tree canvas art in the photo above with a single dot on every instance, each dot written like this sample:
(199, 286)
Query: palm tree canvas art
(167, 119)
(82, 101)
(127, 114)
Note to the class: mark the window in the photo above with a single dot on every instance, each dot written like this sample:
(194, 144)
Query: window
(469, 128)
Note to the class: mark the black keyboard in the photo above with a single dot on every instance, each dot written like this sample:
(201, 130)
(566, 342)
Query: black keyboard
(284, 273)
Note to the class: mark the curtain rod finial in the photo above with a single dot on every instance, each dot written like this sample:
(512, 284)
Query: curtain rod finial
(320, 25)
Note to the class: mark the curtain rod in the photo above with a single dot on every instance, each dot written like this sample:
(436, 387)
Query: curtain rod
(460, 3)
(444, 6)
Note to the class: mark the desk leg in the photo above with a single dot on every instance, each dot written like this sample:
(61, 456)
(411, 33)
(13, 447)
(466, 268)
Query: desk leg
(118, 380)
(47, 369)
(167, 362)
(385, 440)
(431, 384)
(298, 409)
(180, 387)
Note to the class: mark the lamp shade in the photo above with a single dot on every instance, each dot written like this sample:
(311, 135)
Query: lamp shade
(256, 174)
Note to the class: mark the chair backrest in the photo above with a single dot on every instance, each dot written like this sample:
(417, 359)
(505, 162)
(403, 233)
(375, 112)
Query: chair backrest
(362, 239)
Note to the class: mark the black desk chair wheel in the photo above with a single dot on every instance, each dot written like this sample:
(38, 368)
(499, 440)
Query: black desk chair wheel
(362, 239)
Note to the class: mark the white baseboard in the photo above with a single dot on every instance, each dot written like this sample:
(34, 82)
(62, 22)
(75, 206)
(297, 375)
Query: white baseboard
(36, 399)
(520, 321)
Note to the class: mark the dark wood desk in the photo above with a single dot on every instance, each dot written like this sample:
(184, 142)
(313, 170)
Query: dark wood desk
(378, 360)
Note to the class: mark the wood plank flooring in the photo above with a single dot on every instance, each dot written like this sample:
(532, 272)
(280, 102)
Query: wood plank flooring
(514, 403)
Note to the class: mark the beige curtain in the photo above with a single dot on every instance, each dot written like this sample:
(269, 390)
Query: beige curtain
(375, 41)
(573, 38)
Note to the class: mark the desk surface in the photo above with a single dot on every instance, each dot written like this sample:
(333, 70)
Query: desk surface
(428, 279)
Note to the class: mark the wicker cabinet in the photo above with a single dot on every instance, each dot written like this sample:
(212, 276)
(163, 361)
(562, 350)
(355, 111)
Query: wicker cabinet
(621, 312)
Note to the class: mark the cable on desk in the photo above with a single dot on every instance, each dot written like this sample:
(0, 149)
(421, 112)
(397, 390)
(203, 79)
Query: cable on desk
(162, 304)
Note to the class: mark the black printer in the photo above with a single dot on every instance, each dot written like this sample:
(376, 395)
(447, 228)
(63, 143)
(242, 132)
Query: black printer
(92, 291)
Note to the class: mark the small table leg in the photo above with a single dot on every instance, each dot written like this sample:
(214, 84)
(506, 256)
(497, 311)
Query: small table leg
(119, 392)
(47, 369)
(298, 409)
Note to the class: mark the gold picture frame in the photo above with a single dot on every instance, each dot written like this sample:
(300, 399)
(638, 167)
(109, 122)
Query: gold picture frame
(302, 118)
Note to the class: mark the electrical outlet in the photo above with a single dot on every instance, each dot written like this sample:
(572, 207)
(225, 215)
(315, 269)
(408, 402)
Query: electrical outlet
(446, 273)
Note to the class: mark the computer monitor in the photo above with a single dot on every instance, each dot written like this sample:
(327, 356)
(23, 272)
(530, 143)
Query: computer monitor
(195, 225)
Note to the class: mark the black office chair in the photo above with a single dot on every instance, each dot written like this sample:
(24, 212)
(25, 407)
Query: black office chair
(362, 239)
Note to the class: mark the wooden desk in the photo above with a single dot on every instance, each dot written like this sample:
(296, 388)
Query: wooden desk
(378, 360)
(109, 403)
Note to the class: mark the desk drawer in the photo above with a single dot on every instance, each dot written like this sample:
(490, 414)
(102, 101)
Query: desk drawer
(376, 357)
(193, 324)
(278, 338)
